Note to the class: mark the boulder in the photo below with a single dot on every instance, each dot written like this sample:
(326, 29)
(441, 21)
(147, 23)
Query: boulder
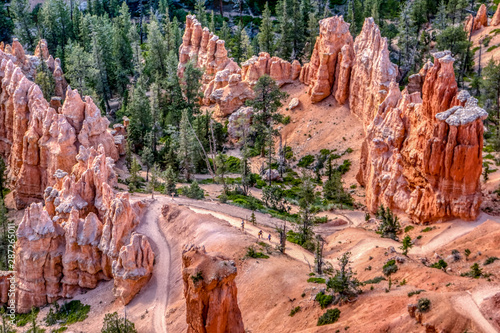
(293, 103)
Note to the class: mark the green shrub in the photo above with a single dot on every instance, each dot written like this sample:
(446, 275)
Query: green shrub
(316, 280)
(409, 228)
(329, 317)
(441, 264)
(427, 229)
(491, 48)
(475, 271)
(344, 167)
(286, 120)
(490, 260)
(251, 253)
(23, 318)
(390, 267)
(323, 299)
(306, 161)
(424, 304)
(374, 280)
(59, 330)
(69, 313)
(415, 292)
(194, 191)
(197, 277)
(294, 311)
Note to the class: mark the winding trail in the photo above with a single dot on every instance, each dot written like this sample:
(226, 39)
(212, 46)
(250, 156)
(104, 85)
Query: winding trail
(159, 285)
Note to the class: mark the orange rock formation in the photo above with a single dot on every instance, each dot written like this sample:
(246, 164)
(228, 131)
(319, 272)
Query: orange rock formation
(37, 139)
(481, 20)
(329, 70)
(210, 292)
(422, 152)
(223, 81)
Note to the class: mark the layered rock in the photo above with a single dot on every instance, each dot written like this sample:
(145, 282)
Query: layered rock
(133, 268)
(37, 139)
(239, 123)
(371, 74)
(495, 20)
(224, 82)
(422, 152)
(475, 23)
(210, 292)
(329, 70)
(84, 234)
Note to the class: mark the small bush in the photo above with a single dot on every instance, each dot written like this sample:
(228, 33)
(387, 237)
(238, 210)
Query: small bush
(409, 228)
(329, 317)
(427, 229)
(286, 120)
(323, 299)
(475, 271)
(197, 277)
(441, 264)
(424, 304)
(376, 280)
(490, 260)
(59, 330)
(390, 267)
(294, 311)
(23, 318)
(251, 253)
(316, 280)
(415, 292)
(306, 161)
(194, 191)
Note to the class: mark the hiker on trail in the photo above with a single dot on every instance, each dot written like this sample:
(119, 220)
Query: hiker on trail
(269, 237)
(242, 225)
(172, 195)
(260, 234)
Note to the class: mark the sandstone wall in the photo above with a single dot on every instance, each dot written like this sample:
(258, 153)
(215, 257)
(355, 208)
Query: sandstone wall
(423, 151)
(210, 292)
(329, 70)
(224, 82)
(480, 20)
(36, 139)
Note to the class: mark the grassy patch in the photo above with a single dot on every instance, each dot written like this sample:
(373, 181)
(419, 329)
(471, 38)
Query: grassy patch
(490, 260)
(316, 280)
(329, 317)
(441, 264)
(23, 318)
(409, 228)
(252, 253)
(427, 229)
(294, 311)
(415, 292)
(376, 280)
(323, 299)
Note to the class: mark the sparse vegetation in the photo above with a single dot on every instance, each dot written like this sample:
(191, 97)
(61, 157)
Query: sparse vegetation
(375, 280)
(409, 228)
(389, 225)
(67, 314)
(324, 299)
(113, 323)
(343, 284)
(329, 317)
(490, 260)
(316, 280)
(252, 253)
(197, 277)
(294, 311)
(406, 245)
(441, 264)
(415, 292)
(24, 318)
(475, 271)
(424, 305)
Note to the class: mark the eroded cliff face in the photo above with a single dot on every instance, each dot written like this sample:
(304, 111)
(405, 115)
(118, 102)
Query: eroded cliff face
(84, 234)
(479, 21)
(329, 70)
(37, 139)
(371, 74)
(224, 82)
(422, 152)
(210, 292)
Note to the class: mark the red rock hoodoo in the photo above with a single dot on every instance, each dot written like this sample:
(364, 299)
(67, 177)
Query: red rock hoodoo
(329, 70)
(210, 292)
(481, 20)
(224, 82)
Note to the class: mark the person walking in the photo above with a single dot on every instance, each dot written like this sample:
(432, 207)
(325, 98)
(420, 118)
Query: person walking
(260, 234)
(269, 237)
(242, 225)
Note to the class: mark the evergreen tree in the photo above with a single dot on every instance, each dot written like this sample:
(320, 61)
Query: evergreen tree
(307, 197)
(407, 40)
(201, 12)
(147, 156)
(172, 102)
(133, 180)
(169, 180)
(211, 25)
(115, 324)
(5, 241)
(225, 32)
(441, 20)
(389, 225)
(185, 153)
(375, 8)
(6, 326)
(312, 34)
(55, 24)
(222, 169)
(351, 18)
(136, 50)
(267, 101)
(343, 283)
(23, 21)
(79, 69)
(158, 50)
(122, 49)
(45, 80)
(406, 245)
(191, 84)
(140, 115)
(154, 181)
(6, 25)
(490, 88)
(246, 47)
(333, 190)
(285, 39)
(154, 106)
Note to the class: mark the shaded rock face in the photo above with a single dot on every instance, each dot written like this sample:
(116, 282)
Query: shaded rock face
(81, 236)
(210, 292)
(422, 152)
(224, 82)
(329, 70)
(495, 20)
(481, 20)
(36, 139)
(371, 74)
(239, 123)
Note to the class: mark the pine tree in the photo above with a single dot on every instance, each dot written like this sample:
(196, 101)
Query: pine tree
(441, 20)
(55, 23)
(185, 152)
(133, 180)
(343, 283)
(169, 180)
(246, 46)
(490, 88)
(306, 200)
(191, 84)
(115, 324)
(351, 18)
(375, 7)
(266, 34)
(21, 13)
(201, 12)
(45, 80)
(225, 32)
(312, 34)
(136, 50)
(153, 181)
(285, 41)
(222, 169)
(154, 106)
(79, 69)
(147, 156)
(140, 115)
(407, 41)
(122, 49)
(406, 245)
(211, 25)
(158, 50)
